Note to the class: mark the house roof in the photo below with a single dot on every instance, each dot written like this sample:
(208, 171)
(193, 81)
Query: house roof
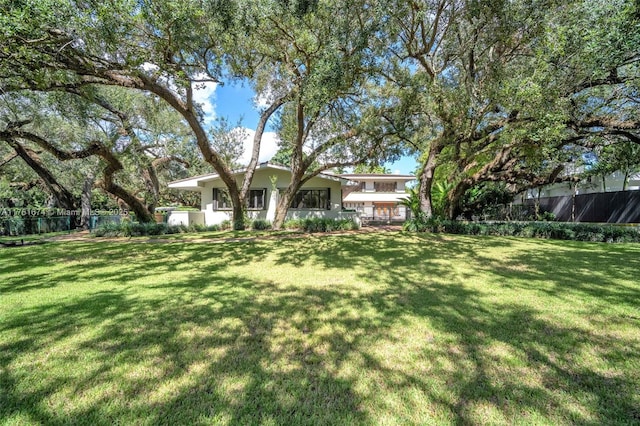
(359, 197)
(377, 176)
(195, 183)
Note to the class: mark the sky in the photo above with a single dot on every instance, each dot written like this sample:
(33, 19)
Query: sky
(236, 102)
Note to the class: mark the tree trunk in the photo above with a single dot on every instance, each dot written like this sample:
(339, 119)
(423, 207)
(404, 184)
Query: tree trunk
(108, 184)
(64, 198)
(136, 205)
(239, 213)
(283, 207)
(239, 208)
(85, 202)
(426, 179)
(455, 196)
(257, 140)
(152, 186)
(190, 114)
(287, 196)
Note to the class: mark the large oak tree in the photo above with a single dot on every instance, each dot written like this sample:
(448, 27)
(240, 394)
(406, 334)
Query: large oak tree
(168, 49)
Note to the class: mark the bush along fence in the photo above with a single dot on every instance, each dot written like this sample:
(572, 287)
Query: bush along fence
(136, 229)
(549, 230)
(18, 224)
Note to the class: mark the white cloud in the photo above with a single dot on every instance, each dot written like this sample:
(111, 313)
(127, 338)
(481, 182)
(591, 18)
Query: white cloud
(396, 172)
(262, 101)
(268, 146)
(204, 94)
(154, 70)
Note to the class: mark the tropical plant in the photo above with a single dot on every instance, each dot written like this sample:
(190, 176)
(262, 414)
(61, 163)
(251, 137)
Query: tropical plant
(412, 202)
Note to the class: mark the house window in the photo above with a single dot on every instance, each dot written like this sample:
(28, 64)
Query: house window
(221, 199)
(312, 199)
(385, 186)
(255, 199)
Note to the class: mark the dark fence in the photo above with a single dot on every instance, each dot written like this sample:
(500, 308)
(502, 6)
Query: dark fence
(602, 207)
(27, 225)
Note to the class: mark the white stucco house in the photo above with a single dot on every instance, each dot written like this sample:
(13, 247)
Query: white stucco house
(377, 196)
(321, 196)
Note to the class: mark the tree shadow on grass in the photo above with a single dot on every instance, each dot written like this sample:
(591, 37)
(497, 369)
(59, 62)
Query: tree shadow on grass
(170, 362)
(98, 261)
(550, 351)
(211, 346)
(571, 271)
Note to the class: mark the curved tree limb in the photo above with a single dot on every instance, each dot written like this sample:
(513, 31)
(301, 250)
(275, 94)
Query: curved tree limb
(62, 195)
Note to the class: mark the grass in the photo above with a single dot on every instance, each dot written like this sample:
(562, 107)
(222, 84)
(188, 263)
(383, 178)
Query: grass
(227, 234)
(31, 237)
(385, 328)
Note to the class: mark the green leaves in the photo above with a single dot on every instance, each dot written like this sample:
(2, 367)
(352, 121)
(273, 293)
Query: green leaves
(511, 88)
(501, 89)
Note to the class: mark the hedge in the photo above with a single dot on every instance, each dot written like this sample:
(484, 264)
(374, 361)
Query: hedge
(135, 229)
(550, 230)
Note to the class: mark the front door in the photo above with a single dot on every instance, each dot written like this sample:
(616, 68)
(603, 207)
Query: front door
(384, 210)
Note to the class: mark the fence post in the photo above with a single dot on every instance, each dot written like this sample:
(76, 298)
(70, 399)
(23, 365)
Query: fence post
(573, 202)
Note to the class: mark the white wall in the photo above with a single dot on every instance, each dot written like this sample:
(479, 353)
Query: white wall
(614, 182)
(185, 218)
(263, 179)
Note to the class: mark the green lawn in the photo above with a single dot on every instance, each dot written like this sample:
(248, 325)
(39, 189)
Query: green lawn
(384, 328)
(32, 237)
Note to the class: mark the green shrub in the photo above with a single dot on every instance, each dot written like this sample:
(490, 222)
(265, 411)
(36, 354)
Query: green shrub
(174, 229)
(547, 216)
(420, 223)
(260, 225)
(156, 228)
(136, 229)
(196, 227)
(108, 230)
(412, 225)
(132, 229)
(293, 224)
(548, 230)
(315, 224)
(527, 231)
(348, 225)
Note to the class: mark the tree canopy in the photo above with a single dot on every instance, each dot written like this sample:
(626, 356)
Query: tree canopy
(506, 92)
